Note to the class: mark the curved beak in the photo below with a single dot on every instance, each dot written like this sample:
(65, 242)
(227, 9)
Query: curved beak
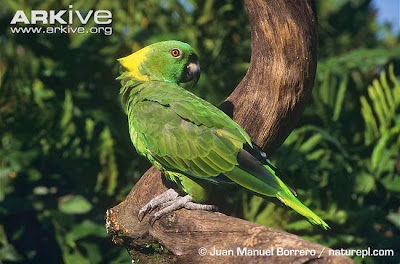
(191, 73)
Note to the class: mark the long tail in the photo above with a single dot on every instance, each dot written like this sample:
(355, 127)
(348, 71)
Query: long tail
(269, 184)
(287, 197)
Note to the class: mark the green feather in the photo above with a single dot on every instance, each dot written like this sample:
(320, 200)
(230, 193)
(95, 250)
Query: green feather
(188, 137)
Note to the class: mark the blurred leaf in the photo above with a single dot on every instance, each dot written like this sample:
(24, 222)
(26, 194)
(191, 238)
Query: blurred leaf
(86, 228)
(3, 237)
(4, 182)
(300, 225)
(392, 183)
(74, 204)
(381, 115)
(309, 144)
(326, 136)
(378, 150)
(364, 183)
(8, 253)
(93, 252)
(107, 160)
(361, 59)
(68, 110)
(394, 218)
(340, 97)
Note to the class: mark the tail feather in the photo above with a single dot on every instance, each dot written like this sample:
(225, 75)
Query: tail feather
(290, 200)
(260, 185)
(287, 197)
(296, 205)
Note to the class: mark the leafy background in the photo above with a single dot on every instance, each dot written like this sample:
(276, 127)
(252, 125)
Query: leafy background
(65, 153)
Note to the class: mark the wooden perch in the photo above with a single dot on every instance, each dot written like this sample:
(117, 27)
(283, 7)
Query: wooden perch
(267, 103)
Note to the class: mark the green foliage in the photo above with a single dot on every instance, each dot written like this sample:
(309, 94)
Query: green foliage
(66, 156)
(344, 158)
(65, 151)
(382, 120)
(344, 166)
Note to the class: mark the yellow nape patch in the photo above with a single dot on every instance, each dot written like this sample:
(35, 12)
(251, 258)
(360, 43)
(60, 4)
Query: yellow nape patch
(133, 62)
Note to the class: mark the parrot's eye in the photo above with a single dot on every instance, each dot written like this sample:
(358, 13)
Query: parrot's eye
(176, 53)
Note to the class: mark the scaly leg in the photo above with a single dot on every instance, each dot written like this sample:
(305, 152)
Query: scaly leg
(163, 198)
(170, 201)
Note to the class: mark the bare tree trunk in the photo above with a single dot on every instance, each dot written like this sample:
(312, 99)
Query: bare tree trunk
(267, 104)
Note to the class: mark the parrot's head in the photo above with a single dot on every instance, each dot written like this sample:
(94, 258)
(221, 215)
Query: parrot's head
(171, 61)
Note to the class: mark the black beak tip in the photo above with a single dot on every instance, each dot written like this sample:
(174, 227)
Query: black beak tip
(191, 73)
(196, 77)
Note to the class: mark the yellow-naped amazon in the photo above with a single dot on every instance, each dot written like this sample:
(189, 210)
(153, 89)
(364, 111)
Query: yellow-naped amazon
(188, 139)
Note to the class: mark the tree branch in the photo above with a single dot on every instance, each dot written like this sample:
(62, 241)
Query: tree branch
(267, 104)
(271, 97)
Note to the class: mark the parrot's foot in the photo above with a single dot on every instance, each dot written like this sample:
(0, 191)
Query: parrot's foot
(169, 202)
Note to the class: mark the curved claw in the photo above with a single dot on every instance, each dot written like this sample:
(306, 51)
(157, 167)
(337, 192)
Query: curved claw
(175, 205)
(170, 201)
(167, 196)
(142, 212)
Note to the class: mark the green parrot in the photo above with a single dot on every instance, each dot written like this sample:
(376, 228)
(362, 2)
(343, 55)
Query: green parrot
(189, 140)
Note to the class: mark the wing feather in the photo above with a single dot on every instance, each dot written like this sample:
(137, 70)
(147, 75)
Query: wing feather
(185, 133)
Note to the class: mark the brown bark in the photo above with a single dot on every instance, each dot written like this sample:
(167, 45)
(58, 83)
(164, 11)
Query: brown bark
(267, 103)
(271, 97)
